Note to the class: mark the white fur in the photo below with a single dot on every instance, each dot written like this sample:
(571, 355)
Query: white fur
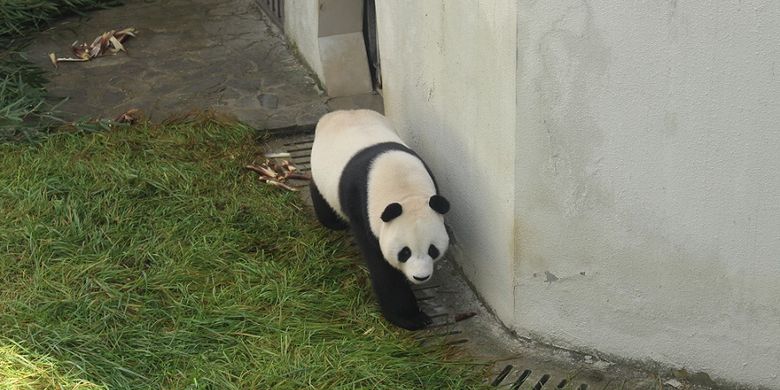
(398, 177)
(338, 137)
(394, 177)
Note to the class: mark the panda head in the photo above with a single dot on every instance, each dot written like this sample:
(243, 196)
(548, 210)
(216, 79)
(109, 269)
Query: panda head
(412, 235)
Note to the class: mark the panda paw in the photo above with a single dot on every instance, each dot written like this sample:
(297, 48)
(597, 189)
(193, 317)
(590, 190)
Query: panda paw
(415, 321)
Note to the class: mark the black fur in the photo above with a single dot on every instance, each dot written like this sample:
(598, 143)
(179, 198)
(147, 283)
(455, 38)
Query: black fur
(439, 204)
(395, 296)
(392, 211)
(324, 212)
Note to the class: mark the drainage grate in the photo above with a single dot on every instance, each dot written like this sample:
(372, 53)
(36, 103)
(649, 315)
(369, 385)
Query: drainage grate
(275, 10)
(300, 151)
(524, 378)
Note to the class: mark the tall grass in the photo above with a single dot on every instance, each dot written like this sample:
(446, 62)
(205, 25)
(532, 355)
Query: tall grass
(146, 258)
(25, 113)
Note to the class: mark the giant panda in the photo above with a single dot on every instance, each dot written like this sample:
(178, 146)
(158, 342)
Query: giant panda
(365, 178)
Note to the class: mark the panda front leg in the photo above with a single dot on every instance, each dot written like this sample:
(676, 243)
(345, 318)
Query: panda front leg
(397, 301)
(395, 296)
(323, 211)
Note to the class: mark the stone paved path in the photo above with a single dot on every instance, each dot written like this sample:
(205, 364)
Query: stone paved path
(188, 55)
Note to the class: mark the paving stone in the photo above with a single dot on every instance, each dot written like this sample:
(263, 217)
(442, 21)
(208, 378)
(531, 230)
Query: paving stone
(188, 55)
(268, 100)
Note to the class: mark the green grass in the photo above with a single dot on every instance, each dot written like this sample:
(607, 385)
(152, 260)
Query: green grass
(144, 257)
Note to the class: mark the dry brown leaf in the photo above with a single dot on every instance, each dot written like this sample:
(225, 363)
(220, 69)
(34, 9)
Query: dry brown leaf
(108, 41)
(282, 185)
(117, 45)
(298, 176)
(277, 174)
(131, 116)
(123, 34)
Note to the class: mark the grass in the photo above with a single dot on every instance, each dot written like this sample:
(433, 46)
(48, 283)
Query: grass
(144, 257)
(25, 113)
(20, 369)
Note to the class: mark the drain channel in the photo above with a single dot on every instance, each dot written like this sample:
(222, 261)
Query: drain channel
(519, 382)
(524, 377)
(501, 375)
(541, 382)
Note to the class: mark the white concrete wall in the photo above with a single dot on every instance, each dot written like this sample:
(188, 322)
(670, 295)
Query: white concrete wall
(448, 74)
(301, 25)
(613, 167)
(647, 176)
(329, 36)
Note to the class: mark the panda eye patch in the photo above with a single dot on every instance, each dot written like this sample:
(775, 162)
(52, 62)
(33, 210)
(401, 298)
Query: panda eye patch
(433, 252)
(404, 254)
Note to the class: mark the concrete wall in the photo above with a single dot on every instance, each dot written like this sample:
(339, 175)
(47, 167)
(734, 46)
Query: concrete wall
(329, 36)
(449, 84)
(301, 26)
(613, 168)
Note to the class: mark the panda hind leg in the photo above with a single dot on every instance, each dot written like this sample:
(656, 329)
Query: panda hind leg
(324, 212)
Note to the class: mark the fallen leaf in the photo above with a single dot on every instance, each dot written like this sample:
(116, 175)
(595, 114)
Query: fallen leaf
(123, 34)
(108, 41)
(673, 383)
(277, 174)
(117, 45)
(131, 116)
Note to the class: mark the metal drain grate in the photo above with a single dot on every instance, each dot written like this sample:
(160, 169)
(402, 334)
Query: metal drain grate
(274, 9)
(300, 151)
(441, 319)
(524, 378)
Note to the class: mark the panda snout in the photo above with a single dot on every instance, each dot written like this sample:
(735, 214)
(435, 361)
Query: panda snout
(418, 270)
(421, 279)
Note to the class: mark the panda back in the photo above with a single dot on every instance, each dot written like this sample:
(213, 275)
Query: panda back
(339, 136)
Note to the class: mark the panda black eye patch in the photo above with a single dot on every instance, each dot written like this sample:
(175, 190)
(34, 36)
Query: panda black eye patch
(404, 254)
(433, 252)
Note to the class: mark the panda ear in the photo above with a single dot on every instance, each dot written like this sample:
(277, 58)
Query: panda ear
(392, 211)
(439, 204)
